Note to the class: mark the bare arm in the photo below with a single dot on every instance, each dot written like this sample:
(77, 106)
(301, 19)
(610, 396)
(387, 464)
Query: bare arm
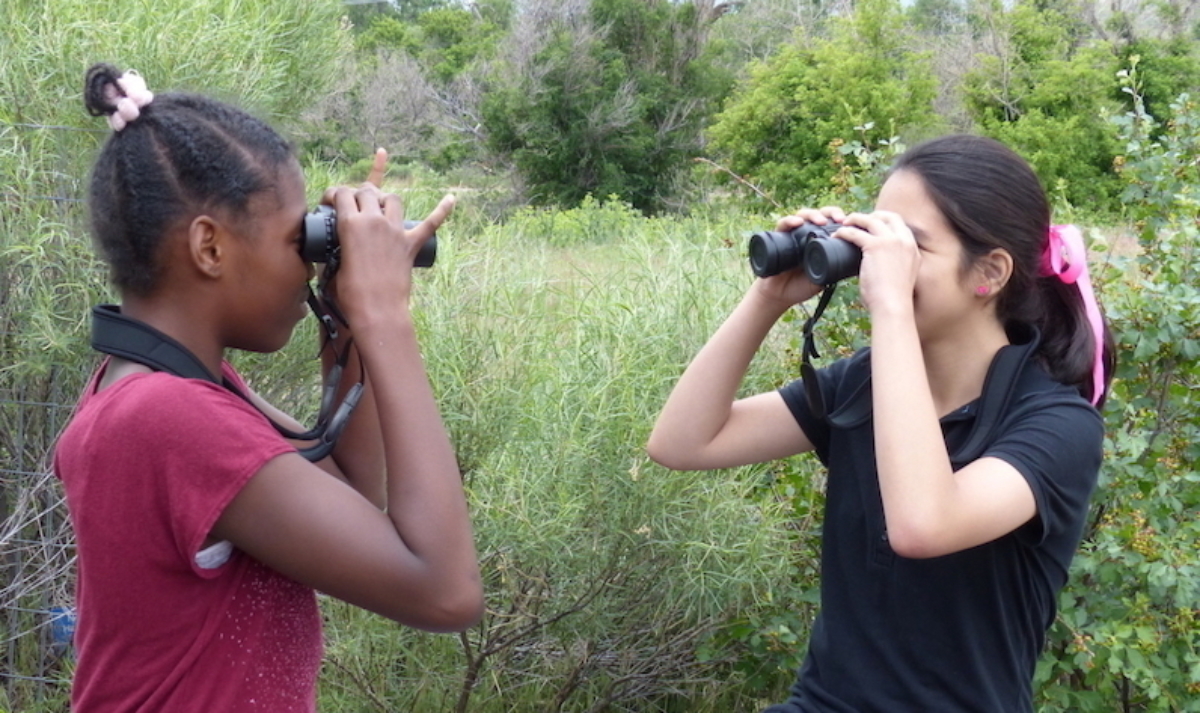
(416, 562)
(930, 509)
(703, 425)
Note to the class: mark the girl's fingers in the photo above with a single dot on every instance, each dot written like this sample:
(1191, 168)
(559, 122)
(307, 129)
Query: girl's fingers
(438, 215)
(393, 207)
(378, 168)
(820, 216)
(860, 228)
(441, 211)
(374, 178)
(369, 199)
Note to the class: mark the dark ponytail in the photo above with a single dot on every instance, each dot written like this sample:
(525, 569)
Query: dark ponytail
(992, 199)
(182, 155)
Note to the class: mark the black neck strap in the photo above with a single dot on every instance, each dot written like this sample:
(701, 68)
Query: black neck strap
(1000, 387)
(122, 336)
(812, 391)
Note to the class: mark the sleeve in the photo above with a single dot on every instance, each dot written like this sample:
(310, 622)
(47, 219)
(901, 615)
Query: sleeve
(1057, 446)
(815, 429)
(207, 444)
(833, 382)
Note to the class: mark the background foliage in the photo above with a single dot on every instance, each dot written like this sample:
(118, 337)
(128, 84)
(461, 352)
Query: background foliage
(590, 256)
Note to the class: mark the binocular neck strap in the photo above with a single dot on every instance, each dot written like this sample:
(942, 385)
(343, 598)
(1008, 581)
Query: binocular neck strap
(121, 336)
(812, 388)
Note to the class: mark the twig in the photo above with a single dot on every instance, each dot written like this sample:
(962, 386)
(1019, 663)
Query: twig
(740, 180)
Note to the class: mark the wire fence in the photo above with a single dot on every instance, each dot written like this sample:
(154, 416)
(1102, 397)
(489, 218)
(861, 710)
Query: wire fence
(41, 178)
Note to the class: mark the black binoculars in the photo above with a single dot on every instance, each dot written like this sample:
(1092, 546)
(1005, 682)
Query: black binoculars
(826, 259)
(319, 239)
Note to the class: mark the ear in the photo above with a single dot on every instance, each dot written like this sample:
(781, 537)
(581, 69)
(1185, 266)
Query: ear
(207, 245)
(994, 270)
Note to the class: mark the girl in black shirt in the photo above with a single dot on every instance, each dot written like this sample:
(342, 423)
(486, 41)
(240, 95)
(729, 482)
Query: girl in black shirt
(943, 552)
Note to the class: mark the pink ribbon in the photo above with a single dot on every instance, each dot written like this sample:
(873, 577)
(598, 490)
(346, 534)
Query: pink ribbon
(1066, 257)
(133, 96)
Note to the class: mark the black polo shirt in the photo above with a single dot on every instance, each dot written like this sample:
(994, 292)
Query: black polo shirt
(961, 632)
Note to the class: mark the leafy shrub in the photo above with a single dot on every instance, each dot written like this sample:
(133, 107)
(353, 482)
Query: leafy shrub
(604, 573)
(777, 130)
(611, 103)
(592, 222)
(1127, 637)
(1050, 91)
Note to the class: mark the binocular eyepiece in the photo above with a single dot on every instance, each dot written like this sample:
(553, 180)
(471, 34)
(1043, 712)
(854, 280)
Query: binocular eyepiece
(319, 239)
(826, 259)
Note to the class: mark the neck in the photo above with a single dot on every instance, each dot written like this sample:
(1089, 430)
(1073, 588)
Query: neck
(956, 365)
(184, 326)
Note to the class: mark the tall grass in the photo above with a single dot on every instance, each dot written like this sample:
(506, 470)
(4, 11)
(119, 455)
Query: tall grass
(551, 340)
(607, 576)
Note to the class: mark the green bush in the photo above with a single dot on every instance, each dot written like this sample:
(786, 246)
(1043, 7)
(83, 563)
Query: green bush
(777, 131)
(611, 104)
(605, 574)
(1128, 638)
(1050, 93)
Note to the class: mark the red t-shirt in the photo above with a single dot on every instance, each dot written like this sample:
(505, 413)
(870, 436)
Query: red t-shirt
(148, 465)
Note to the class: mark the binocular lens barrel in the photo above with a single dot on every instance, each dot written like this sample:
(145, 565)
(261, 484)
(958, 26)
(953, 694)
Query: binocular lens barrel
(320, 241)
(773, 252)
(826, 259)
(830, 260)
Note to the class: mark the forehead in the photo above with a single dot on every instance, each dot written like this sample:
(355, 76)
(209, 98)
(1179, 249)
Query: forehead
(904, 193)
(289, 185)
(278, 207)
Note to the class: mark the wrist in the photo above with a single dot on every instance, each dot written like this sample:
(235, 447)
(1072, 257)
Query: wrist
(765, 302)
(897, 310)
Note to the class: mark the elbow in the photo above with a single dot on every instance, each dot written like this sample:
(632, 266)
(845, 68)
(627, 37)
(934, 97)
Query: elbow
(913, 549)
(445, 609)
(671, 455)
(664, 456)
(457, 612)
(915, 542)
(657, 453)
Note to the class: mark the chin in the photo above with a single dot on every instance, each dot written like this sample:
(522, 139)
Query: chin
(266, 345)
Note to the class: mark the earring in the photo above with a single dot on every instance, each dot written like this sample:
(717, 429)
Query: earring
(982, 290)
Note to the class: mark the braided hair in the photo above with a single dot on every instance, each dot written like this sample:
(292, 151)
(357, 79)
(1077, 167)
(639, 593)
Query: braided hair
(184, 154)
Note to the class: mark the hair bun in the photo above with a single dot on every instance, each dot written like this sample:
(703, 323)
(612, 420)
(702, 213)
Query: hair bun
(120, 98)
(100, 91)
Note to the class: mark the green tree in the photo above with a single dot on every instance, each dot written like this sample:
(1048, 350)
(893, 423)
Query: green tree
(1046, 92)
(414, 85)
(1166, 68)
(610, 106)
(778, 130)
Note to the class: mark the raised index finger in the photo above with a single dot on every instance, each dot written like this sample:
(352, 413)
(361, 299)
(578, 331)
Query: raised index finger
(378, 168)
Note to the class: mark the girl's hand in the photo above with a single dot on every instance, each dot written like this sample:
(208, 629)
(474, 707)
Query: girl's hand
(377, 251)
(793, 287)
(891, 259)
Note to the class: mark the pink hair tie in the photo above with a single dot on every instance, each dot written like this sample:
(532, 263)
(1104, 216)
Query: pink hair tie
(1066, 258)
(133, 96)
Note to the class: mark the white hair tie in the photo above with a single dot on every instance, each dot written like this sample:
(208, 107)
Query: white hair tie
(133, 96)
